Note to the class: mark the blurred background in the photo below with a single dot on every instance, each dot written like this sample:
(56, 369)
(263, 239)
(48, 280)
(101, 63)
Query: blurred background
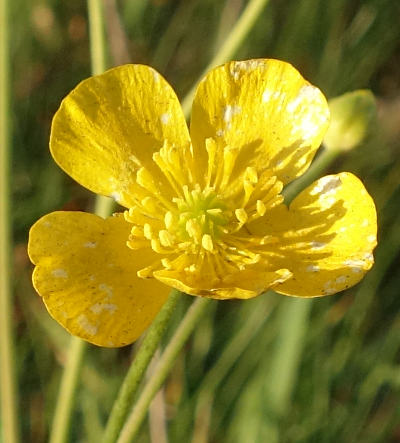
(265, 370)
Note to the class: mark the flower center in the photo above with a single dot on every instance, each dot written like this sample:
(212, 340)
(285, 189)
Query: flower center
(203, 226)
(193, 222)
(200, 216)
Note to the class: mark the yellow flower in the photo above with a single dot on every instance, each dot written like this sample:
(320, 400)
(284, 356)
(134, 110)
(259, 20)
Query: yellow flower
(205, 213)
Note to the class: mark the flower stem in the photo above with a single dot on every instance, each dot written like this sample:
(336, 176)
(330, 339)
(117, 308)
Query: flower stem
(66, 395)
(136, 372)
(232, 43)
(162, 370)
(96, 31)
(103, 208)
(10, 431)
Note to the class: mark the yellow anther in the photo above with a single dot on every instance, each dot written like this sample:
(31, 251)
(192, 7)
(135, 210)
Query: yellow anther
(261, 208)
(156, 246)
(137, 231)
(145, 179)
(147, 231)
(241, 215)
(168, 220)
(193, 229)
(207, 243)
(137, 243)
(166, 263)
(166, 239)
(251, 174)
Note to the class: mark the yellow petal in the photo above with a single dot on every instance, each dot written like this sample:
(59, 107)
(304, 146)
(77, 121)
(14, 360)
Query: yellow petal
(267, 110)
(241, 284)
(87, 278)
(326, 238)
(110, 125)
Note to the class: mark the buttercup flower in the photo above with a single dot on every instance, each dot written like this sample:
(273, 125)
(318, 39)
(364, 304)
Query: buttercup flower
(204, 209)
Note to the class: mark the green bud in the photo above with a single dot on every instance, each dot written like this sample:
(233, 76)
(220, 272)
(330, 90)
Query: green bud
(352, 115)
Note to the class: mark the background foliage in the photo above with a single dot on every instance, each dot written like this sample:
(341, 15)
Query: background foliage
(268, 369)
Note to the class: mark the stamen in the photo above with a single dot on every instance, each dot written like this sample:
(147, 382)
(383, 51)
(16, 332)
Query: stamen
(261, 208)
(207, 242)
(198, 232)
(193, 229)
(166, 238)
(147, 231)
(168, 220)
(241, 215)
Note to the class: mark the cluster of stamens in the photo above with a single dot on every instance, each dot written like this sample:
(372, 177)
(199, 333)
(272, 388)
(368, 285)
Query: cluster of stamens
(203, 225)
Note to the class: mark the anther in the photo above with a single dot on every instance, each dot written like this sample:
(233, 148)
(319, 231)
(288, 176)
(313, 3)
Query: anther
(166, 239)
(261, 208)
(207, 243)
(241, 215)
(168, 220)
(147, 231)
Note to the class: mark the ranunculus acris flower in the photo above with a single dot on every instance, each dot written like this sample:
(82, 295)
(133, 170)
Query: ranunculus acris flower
(204, 209)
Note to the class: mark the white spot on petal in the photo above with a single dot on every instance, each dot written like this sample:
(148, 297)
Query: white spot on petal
(307, 94)
(328, 185)
(230, 111)
(371, 238)
(356, 266)
(267, 94)
(309, 128)
(60, 273)
(312, 268)
(90, 244)
(328, 288)
(85, 324)
(236, 68)
(97, 308)
(156, 75)
(341, 279)
(107, 289)
(165, 118)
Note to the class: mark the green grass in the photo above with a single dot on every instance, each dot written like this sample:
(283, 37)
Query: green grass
(344, 383)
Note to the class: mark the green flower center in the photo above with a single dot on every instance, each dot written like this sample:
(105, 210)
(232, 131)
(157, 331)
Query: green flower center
(200, 216)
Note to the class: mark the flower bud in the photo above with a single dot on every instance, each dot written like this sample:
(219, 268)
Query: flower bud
(351, 117)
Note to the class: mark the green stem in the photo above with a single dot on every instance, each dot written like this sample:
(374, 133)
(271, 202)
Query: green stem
(232, 43)
(136, 372)
(103, 207)
(66, 395)
(9, 401)
(96, 31)
(163, 368)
